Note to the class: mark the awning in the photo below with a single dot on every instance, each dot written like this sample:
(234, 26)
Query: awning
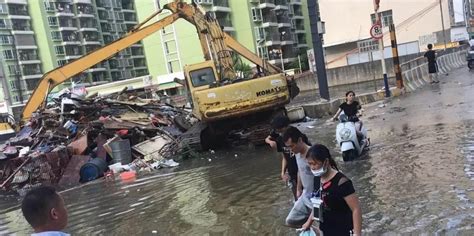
(168, 85)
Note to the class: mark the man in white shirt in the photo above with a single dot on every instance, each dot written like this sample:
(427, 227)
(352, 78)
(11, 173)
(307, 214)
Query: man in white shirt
(45, 211)
(301, 210)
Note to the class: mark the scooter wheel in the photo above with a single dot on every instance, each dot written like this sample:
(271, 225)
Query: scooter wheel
(349, 155)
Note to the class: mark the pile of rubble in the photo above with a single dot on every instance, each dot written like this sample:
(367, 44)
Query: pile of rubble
(76, 139)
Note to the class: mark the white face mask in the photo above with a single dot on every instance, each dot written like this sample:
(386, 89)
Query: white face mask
(320, 171)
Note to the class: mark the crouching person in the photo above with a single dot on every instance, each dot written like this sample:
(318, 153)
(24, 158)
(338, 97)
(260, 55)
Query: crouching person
(301, 210)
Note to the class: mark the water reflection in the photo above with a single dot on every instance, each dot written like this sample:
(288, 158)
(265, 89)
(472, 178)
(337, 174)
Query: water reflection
(415, 179)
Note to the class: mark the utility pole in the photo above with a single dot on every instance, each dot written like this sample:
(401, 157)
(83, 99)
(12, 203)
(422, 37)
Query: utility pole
(314, 19)
(442, 23)
(381, 49)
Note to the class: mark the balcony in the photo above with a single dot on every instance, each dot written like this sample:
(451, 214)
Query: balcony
(302, 42)
(103, 3)
(287, 38)
(108, 39)
(295, 2)
(138, 51)
(18, 12)
(127, 6)
(21, 27)
(67, 25)
(90, 48)
(297, 13)
(269, 20)
(266, 4)
(272, 38)
(20, 2)
(130, 19)
(224, 22)
(283, 21)
(25, 57)
(281, 4)
(64, 9)
(141, 72)
(72, 52)
(97, 68)
(83, 1)
(221, 5)
(87, 24)
(299, 29)
(83, 10)
(91, 41)
(31, 70)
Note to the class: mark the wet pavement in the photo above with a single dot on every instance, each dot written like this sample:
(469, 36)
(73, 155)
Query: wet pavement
(418, 177)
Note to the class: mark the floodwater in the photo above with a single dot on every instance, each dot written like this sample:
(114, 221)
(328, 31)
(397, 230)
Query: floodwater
(417, 178)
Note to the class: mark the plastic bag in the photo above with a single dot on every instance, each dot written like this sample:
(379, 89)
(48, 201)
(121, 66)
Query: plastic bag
(309, 232)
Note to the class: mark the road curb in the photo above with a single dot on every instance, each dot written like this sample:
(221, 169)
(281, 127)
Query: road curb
(321, 109)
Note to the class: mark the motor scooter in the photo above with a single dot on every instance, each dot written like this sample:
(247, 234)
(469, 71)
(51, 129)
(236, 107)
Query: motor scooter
(352, 143)
(470, 58)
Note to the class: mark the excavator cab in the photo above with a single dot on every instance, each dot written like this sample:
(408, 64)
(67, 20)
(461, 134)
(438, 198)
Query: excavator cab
(6, 126)
(214, 100)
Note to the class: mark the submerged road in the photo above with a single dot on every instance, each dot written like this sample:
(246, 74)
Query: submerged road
(418, 177)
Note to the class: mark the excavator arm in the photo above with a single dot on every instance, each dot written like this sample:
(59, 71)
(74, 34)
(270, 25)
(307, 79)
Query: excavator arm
(57, 76)
(213, 41)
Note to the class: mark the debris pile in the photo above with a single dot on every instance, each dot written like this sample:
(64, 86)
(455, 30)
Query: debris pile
(77, 139)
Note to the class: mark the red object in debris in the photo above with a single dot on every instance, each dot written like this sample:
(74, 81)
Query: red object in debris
(128, 176)
(104, 118)
(122, 132)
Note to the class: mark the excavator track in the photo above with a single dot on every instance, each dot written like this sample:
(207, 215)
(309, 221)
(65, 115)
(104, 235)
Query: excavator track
(259, 133)
(191, 139)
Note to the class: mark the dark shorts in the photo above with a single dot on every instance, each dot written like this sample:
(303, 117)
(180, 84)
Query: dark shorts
(432, 67)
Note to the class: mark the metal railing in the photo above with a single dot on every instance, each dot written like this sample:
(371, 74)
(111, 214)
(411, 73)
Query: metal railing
(415, 72)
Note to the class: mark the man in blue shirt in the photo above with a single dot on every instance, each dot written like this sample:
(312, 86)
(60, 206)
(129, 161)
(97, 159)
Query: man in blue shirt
(45, 211)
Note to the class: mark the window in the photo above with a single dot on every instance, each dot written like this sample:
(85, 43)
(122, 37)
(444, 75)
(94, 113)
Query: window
(13, 84)
(263, 52)
(52, 21)
(13, 69)
(385, 16)
(259, 33)
(170, 67)
(62, 62)
(5, 39)
(17, 99)
(49, 6)
(8, 54)
(3, 24)
(56, 35)
(204, 1)
(59, 50)
(3, 8)
(201, 77)
(256, 14)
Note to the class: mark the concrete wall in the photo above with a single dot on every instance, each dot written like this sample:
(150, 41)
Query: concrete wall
(363, 72)
(351, 74)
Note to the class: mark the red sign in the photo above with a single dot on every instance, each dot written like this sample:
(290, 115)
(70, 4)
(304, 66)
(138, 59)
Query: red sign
(376, 31)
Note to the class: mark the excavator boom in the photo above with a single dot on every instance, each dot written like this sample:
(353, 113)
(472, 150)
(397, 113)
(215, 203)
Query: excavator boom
(210, 35)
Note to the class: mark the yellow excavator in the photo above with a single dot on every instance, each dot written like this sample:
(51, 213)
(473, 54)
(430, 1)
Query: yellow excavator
(7, 126)
(221, 100)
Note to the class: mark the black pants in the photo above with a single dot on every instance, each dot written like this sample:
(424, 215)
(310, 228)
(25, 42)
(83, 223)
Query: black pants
(293, 181)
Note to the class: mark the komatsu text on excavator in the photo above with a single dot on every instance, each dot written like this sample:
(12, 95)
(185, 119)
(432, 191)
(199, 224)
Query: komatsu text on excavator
(221, 99)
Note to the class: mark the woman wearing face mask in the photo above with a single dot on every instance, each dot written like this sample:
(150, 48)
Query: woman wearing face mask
(341, 210)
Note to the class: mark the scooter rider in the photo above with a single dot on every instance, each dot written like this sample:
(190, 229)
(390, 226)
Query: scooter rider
(351, 110)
